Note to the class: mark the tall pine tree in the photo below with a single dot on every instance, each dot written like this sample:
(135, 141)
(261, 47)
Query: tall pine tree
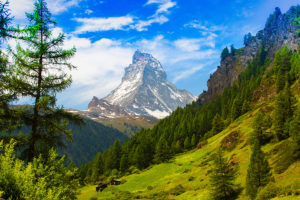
(39, 72)
(283, 112)
(222, 178)
(258, 174)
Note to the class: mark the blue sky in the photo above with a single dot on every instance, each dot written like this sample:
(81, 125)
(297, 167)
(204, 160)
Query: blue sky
(186, 36)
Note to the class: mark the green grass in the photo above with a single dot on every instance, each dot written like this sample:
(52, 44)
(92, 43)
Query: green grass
(190, 169)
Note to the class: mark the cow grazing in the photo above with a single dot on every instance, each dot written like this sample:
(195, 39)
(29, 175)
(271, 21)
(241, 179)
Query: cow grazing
(101, 187)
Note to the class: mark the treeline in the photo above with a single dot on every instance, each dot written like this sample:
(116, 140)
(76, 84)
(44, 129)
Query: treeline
(187, 127)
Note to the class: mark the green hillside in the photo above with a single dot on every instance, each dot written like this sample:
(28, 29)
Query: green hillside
(186, 176)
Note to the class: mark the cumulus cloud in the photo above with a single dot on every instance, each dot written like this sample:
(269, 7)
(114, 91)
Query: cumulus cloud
(19, 7)
(127, 22)
(103, 24)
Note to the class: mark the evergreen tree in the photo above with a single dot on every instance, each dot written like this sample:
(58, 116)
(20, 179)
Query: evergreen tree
(245, 106)
(162, 152)
(247, 38)
(187, 143)
(178, 147)
(236, 109)
(232, 50)
(282, 66)
(283, 112)
(194, 141)
(97, 167)
(9, 120)
(221, 178)
(140, 160)
(217, 124)
(258, 174)
(295, 129)
(116, 152)
(38, 72)
(124, 163)
(260, 125)
(295, 63)
(224, 53)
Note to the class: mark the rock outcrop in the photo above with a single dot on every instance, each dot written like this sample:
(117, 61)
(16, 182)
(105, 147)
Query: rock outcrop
(280, 30)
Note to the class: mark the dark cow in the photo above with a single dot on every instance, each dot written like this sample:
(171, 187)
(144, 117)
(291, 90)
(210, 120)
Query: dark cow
(101, 187)
(115, 182)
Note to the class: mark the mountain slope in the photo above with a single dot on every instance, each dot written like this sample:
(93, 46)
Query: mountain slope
(90, 139)
(191, 170)
(144, 90)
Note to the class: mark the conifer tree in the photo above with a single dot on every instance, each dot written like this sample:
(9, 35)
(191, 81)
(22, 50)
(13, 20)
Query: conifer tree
(295, 129)
(224, 53)
(187, 143)
(259, 172)
(162, 152)
(236, 108)
(116, 155)
(124, 163)
(39, 72)
(8, 118)
(260, 125)
(194, 141)
(222, 178)
(283, 112)
(97, 167)
(217, 124)
(139, 159)
(245, 106)
(282, 66)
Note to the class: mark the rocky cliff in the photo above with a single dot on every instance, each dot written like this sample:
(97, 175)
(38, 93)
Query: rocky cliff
(280, 30)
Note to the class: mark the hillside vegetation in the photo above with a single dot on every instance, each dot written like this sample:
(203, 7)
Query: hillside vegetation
(186, 176)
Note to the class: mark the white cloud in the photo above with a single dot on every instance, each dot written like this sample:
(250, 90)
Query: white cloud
(103, 24)
(19, 7)
(142, 25)
(205, 27)
(195, 44)
(126, 22)
(163, 8)
(59, 6)
(88, 11)
(187, 73)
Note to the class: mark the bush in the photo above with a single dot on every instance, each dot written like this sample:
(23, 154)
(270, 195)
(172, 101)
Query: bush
(268, 192)
(179, 189)
(41, 179)
(134, 170)
(149, 187)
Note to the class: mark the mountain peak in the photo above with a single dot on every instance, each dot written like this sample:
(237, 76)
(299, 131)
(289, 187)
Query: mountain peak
(145, 90)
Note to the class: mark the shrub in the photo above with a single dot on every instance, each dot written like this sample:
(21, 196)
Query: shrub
(268, 192)
(41, 179)
(179, 189)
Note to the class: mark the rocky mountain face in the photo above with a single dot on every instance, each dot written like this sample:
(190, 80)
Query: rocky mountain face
(144, 90)
(280, 30)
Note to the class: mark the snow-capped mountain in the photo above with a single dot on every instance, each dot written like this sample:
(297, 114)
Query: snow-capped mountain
(145, 90)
